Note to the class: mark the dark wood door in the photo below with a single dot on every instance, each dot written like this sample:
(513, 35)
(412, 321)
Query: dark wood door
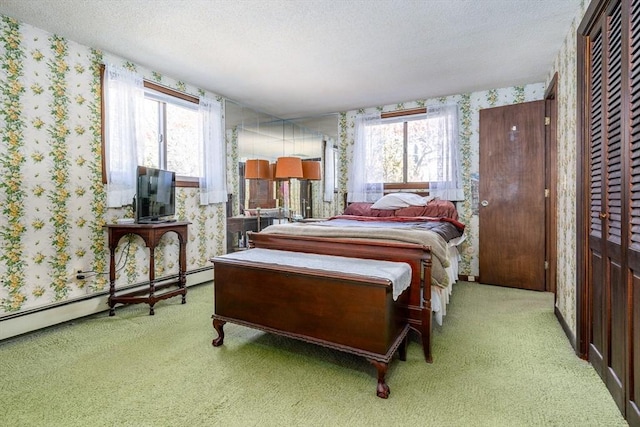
(512, 196)
(608, 290)
(608, 221)
(633, 221)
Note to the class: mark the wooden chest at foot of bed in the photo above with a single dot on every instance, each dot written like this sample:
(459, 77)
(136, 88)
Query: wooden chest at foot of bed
(355, 314)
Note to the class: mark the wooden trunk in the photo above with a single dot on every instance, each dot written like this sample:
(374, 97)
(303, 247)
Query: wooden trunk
(346, 312)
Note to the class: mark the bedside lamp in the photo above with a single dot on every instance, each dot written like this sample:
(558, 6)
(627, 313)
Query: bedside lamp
(311, 170)
(289, 167)
(257, 169)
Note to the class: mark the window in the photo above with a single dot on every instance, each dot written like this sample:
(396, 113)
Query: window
(330, 169)
(171, 132)
(409, 148)
(145, 123)
(406, 147)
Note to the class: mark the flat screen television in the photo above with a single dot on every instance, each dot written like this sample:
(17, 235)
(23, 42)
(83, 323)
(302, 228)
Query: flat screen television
(155, 195)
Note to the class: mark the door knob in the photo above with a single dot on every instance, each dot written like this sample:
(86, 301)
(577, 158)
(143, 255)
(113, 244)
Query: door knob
(484, 203)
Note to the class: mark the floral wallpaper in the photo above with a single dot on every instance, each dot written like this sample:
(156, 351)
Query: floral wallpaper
(565, 65)
(51, 192)
(469, 105)
(53, 201)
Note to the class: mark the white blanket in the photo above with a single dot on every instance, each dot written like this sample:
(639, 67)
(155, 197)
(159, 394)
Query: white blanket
(439, 249)
(398, 273)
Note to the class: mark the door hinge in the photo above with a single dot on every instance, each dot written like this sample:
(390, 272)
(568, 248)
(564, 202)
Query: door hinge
(546, 265)
(547, 121)
(546, 193)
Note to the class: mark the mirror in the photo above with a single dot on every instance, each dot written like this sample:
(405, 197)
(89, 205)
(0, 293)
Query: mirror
(267, 137)
(262, 136)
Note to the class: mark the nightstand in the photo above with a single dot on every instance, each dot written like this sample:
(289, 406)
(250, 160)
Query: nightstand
(237, 226)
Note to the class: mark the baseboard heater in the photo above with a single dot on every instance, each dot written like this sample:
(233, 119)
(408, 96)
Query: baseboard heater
(14, 324)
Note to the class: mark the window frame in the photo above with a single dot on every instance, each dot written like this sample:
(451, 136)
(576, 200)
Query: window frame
(181, 181)
(405, 183)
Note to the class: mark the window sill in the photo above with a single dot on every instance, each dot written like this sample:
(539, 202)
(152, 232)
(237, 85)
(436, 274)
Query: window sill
(187, 181)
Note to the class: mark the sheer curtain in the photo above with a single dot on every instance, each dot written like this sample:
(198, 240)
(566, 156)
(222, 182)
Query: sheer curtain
(365, 175)
(329, 170)
(213, 176)
(123, 102)
(448, 183)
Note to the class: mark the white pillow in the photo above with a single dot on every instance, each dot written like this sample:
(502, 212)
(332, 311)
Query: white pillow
(399, 200)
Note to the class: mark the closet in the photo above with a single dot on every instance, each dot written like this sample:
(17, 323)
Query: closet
(608, 188)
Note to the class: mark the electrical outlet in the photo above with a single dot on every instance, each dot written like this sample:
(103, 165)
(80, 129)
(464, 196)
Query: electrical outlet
(471, 278)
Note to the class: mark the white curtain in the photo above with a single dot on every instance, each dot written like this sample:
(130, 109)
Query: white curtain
(448, 184)
(123, 102)
(329, 170)
(213, 176)
(365, 178)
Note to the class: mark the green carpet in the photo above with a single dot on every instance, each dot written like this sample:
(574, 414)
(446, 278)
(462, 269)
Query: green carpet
(501, 359)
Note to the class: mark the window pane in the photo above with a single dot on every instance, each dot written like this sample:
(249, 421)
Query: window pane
(424, 148)
(386, 150)
(182, 140)
(151, 157)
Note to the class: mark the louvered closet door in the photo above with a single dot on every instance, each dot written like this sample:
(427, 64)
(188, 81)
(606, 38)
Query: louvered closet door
(617, 304)
(596, 247)
(597, 341)
(607, 350)
(610, 33)
(633, 250)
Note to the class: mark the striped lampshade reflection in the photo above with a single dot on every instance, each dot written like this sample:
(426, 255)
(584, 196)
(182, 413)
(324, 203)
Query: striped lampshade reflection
(289, 167)
(257, 169)
(311, 170)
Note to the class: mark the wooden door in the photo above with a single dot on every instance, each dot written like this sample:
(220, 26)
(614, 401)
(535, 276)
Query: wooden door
(512, 196)
(606, 222)
(633, 221)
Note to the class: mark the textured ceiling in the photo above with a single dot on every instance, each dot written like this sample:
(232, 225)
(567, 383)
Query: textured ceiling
(309, 57)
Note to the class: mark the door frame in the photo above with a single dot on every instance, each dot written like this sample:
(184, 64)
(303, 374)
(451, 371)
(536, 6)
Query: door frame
(551, 180)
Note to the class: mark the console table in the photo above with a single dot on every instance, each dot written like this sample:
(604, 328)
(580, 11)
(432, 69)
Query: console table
(151, 234)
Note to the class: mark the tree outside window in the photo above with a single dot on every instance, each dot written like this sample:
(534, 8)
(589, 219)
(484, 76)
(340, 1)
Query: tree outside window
(409, 149)
(171, 134)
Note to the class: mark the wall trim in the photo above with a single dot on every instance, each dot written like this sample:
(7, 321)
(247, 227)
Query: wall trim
(32, 320)
(566, 329)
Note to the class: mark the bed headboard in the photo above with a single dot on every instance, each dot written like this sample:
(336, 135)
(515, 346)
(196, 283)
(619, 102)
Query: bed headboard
(413, 206)
(419, 188)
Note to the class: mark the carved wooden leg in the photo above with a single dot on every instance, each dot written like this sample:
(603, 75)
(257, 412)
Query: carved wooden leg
(151, 311)
(382, 390)
(426, 334)
(183, 285)
(218, 326)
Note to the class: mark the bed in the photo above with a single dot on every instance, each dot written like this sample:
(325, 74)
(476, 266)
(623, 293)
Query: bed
(406, 227)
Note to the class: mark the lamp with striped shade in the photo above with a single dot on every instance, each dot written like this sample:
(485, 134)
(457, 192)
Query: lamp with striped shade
(311, 170)
(289, 167)
(257, 169)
